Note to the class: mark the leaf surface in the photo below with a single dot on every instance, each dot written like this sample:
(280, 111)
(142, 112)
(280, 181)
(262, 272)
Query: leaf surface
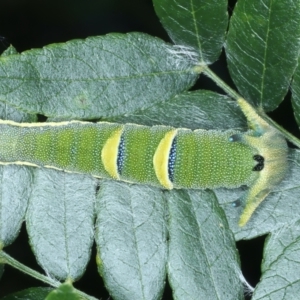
(198, 25)
(197, 109)
(15, 188)
(36, 293)
(296, 94)
(98, 77)
(281, 265)
(131, 240)
(60, 221)
(203, 262)
(9, 51)
(262, 49)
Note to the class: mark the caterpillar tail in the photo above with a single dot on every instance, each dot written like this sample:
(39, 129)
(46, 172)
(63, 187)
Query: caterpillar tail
(272, 153)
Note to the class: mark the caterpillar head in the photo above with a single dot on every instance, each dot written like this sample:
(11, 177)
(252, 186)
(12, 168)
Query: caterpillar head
(272, 151)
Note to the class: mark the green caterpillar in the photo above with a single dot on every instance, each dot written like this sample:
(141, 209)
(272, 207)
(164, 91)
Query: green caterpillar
(160, 155)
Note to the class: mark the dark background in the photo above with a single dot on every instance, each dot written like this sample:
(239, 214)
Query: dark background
(30, 24)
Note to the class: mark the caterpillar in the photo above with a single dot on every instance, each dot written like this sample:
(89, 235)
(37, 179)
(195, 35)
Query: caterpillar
(162, 156)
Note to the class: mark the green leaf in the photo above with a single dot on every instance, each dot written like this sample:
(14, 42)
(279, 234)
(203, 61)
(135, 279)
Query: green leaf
(282, 206)
(281, 266)
(131, 239)
(200, 25)
(36, 293)
(262, 49)
(203, 262)
(60, 221)
(15, 188)
(98, 77)
(64, 292)
(8, 112)
(198, 109)
(10, 51)
(296, 94)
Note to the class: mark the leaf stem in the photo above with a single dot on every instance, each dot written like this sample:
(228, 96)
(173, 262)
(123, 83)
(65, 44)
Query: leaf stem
(284, 132)
(7, 259)
(209, 73)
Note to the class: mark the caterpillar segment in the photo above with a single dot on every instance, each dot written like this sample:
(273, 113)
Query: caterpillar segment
(160, 155)
(177, 158)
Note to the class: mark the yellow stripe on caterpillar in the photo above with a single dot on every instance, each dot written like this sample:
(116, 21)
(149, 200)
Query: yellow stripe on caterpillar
(109, 154)
(161, 159)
